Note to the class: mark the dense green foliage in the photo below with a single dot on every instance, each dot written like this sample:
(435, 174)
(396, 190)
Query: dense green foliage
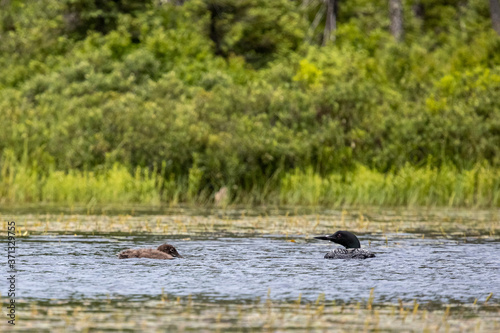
(192, 96)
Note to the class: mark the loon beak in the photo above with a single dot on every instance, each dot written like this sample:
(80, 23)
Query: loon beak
(326, 237)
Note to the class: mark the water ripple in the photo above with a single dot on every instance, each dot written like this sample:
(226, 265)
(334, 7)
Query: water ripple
(236, 268)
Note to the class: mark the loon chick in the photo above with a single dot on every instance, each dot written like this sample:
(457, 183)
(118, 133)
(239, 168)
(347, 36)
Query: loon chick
(352, 246)
(165, 251)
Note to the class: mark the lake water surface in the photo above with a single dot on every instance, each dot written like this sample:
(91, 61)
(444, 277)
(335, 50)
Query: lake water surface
(225, 266)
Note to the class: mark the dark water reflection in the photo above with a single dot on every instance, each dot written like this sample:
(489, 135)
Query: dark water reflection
(232, 267)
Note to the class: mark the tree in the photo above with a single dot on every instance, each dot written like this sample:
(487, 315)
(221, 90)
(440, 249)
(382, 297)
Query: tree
(258, 30)
(495, 15)
(418, 9)
(331, 21)
(82, 16)
(6, 21)
(396, 15)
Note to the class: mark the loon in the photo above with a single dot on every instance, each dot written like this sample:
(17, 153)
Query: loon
(165, 251)
(352, 246)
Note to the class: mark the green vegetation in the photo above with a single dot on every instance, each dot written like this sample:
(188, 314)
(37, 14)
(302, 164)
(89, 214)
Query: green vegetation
(171, 101)
(410, 186)
(444, 186)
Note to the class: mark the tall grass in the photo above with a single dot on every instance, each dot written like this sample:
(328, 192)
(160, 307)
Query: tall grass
(409, 186)
(116, 184)
(20, 183)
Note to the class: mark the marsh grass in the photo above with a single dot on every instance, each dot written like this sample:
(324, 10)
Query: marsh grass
(408, 186)
(22, 183)
(167, 312)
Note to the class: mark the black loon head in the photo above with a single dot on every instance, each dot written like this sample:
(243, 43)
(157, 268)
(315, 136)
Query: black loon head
(345, 238)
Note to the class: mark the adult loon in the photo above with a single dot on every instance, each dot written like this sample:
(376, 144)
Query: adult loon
(165, 251)
(352, 246)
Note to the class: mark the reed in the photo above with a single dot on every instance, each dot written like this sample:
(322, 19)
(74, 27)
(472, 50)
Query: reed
(408, 186)
(22, 183)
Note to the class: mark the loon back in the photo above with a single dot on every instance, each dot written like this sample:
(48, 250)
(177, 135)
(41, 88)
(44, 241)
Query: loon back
(144, 253)
(349, 254)
(165, 251)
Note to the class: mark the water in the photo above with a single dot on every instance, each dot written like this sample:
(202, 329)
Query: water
(236, 267)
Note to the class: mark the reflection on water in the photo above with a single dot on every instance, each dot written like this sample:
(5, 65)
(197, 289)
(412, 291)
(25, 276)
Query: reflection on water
(224, 266)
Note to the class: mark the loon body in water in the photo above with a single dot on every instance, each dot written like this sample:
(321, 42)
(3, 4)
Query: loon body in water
(352, 246)
(165, 251)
